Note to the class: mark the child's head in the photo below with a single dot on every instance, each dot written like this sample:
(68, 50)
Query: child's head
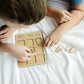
(22, 11)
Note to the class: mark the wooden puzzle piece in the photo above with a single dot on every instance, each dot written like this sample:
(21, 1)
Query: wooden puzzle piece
(39, 50)
(40, 59)
(20, 37)
(29, 43)
(68, 48)
(20, 42)
(72, 50)
(58, 49)
(38, 41)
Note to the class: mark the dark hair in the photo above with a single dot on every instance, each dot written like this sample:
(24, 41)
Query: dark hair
(23, 11)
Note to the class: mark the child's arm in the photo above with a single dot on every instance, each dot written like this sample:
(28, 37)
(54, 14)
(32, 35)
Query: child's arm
(59, 15)
(21, 53)
(3, 47)
(55, 36)
(6, 33)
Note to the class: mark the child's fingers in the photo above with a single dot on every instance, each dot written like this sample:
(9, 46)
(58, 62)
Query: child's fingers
(5, 35)
(67, 18)
(5, 40)
(28, 50)
(46, 40)
(4, 31)
(62, 20)
(30, 54)
(26, 59)
(48, 43)
(69, 14)
(53, 43)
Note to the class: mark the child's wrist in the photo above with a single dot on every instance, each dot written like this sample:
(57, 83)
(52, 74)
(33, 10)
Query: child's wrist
(61, 30)
(50, 11)
(4, 47)
(7, 47)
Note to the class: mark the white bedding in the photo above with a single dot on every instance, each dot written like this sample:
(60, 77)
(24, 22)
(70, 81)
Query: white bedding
(61, 68)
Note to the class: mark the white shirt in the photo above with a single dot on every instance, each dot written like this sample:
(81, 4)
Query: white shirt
(60, 4)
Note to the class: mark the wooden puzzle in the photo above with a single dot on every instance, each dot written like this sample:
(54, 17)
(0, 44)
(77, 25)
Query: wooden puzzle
(34, 41)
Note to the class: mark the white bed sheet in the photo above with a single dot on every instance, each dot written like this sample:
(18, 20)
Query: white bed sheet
(61, 68)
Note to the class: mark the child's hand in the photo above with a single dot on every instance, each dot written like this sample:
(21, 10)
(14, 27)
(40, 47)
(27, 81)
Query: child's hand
(5, 34)
(61, 15)
(21, 53)
(53, 38)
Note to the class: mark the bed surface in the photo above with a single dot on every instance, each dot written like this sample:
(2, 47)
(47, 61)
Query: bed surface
(61, 68)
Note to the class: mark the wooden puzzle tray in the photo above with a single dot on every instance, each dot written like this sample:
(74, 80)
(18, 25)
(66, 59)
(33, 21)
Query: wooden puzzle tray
(33, 41)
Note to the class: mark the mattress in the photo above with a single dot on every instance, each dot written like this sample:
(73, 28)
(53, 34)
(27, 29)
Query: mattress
(61, 68)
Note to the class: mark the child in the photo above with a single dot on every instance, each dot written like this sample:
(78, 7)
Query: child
(18, 14)
(15, 15)
(77, 11)
(63, 17)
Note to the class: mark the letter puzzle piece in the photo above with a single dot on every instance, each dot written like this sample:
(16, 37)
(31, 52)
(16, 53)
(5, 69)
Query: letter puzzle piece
(70, 49)
(34, 41)
(58, 49)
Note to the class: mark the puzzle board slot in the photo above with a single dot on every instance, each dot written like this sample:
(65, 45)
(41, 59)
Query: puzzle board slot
(38, 42)
(40, 59)
(21, 42)
(39, 50)
(29, 42)
(32, 61)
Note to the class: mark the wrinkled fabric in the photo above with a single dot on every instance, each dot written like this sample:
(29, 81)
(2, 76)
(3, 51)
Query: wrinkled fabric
(61, 68)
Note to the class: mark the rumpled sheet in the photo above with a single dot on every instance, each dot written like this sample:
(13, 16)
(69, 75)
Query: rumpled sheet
(61, 68)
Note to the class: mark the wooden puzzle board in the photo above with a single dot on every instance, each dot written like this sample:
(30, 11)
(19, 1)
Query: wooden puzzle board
(33, 41)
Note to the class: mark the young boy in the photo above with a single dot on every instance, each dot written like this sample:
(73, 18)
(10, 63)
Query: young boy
(59, 15)
(77, 11)
(18, 14)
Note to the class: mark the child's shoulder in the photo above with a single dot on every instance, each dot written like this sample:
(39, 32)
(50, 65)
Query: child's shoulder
(77, 1)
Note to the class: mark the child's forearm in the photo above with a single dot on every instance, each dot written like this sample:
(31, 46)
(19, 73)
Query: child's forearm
(4, 47)
(50, 11)
(76, 18)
